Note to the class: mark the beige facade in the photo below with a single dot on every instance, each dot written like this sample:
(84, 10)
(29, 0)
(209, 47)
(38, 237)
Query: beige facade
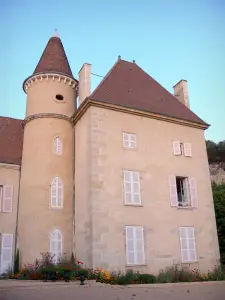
(101, 215)
(9, 176)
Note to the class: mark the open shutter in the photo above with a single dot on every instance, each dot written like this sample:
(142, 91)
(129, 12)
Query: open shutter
(187, 149)
(176, 148)
(127, 187)
(193, 192)
(136, 188)
(130, 245)
(7, 198)
(139, 241)
(173, 190)
(6, 252)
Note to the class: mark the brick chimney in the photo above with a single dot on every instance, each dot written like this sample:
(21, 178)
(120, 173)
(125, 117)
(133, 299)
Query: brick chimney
(181, 92)
(84, 82)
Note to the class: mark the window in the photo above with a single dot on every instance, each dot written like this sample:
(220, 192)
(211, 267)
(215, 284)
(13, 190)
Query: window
(187, 244)
(183, 191)
(56, 193)
(57, 145)
(56, 245)
(6, 252)
(129, 140)
(59, 97)
(135, 253)
(6, 198)
(182, 148)
(132, 187)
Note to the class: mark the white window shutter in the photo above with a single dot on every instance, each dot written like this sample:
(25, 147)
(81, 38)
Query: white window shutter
(1, 197)
(187, 243)
(132, 140)
(136, 187)
(193, 192)
(126, 140)
(130, 245)
(173, 190)
(60, 193)
(57, 145)
(57, 193)
(127, 187)
(187, 149)
(56, 245)
(176, 148)
(7, 198)
(140, 253)
(6, 252)
(54, 193)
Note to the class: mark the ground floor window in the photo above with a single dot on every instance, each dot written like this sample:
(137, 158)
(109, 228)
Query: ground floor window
(6, 243)
(135, 245)
(56, 245)
(187, 244)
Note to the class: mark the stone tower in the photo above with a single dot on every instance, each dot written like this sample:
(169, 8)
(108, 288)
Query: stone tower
(46, 189)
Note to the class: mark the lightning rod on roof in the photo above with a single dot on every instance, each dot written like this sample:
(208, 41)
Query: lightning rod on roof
(119, 57)
(55, 34)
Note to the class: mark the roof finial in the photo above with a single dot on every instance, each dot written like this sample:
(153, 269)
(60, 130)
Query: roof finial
(55, 34)
(119, 57)
(133, 61)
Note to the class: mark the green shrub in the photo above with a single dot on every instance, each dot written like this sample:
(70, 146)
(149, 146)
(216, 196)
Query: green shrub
(83, 272)
(147, 278)
(216, 274)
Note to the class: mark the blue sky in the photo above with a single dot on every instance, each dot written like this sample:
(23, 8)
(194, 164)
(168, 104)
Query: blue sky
(170, 40)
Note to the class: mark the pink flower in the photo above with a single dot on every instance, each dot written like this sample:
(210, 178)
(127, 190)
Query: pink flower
(80, 262)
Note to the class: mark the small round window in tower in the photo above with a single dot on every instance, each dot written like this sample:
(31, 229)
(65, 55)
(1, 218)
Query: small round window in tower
(59, 97)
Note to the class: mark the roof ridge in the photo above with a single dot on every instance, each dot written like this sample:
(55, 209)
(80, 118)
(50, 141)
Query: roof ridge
(5, 117)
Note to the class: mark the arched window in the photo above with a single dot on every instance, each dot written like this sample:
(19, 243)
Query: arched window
(56, 245)
(56, 193)
(58, 146)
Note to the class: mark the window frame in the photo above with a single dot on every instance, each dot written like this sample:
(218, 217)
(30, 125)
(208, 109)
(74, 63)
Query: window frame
(135, 263)
(187, 239)
(129, 140)
(55, 146)
(56, 196)
(132, 182)
(56, 230)
(1, 198)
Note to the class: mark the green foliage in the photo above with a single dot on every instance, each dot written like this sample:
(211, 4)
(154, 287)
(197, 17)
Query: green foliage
(16, 263)
(216, 152)
(147, 278)
(219, 204)
(216, 274)
(83, 272)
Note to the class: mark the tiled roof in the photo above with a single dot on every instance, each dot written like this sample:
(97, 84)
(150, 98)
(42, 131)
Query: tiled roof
(54, 59)
(128, 85)
(11, 140)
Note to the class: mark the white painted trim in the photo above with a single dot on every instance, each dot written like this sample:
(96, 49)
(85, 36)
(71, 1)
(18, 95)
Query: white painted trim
(50, 203)
(10, 166)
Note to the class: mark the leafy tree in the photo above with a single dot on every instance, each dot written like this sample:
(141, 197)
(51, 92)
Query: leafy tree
(219, 203)
(216, 152)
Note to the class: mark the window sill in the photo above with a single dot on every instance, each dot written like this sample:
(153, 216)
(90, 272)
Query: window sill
(56, 208)
(185, 207)
(135, 205)
(138, 265)
(189, 262)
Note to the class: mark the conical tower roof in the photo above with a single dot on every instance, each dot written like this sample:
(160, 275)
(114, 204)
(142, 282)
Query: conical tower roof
(54, 58)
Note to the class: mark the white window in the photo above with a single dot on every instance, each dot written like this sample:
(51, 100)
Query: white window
(135, 253)
(58, 147)
(187, 244)
(6, 252)
(6, 198)
(132, 187)
(182, 148)
(129, 140)
(56, 193)
(183, 191)
(56, 245)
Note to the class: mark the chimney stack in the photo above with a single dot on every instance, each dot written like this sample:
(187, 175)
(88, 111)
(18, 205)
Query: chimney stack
(181, 92)
(84, 82)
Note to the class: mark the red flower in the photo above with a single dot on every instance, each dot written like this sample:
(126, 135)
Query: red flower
(80, 262)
